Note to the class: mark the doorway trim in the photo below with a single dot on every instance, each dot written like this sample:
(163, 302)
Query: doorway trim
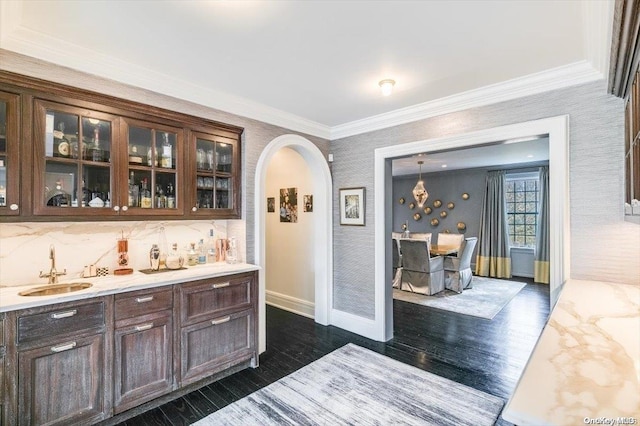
(557, 129)
(322, 219)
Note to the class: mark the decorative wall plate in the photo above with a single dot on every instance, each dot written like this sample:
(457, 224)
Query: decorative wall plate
(417, 216)
(450, 205)
(427, 210)
(437, 203)
(412, 205)
(465, 196)
(443, 214)
(434, 222)
(461, 226)
(401, 200)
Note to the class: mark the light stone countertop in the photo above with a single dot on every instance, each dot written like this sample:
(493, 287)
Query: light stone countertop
(10, 300)
(586, 365)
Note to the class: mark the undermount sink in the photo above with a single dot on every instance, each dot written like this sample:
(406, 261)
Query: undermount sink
(51, 289)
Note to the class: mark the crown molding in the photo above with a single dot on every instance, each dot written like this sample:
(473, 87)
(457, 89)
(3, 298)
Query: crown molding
(532, 84)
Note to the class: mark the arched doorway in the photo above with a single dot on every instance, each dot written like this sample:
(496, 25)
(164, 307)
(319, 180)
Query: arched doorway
(322, 234)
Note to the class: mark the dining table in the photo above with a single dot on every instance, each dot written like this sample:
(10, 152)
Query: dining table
(443, 250)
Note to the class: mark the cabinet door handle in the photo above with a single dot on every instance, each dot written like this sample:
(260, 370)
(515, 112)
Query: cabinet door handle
(193, 209)
(144, 299)
(144, 327)
(13, 207)
(221, 285)
(220, 321)
(66, 314)
(116, 208)
(64, 347)
(124, 208)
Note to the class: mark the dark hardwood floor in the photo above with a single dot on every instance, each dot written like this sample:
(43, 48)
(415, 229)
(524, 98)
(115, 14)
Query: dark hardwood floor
(488, 355)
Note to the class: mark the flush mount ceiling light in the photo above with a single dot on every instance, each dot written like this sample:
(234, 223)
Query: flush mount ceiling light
(419, 191)
(386, 86)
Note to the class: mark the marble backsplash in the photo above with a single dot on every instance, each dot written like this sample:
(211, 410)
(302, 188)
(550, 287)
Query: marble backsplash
(24, 247)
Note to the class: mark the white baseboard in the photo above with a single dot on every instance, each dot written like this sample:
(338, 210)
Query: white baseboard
(291, 304)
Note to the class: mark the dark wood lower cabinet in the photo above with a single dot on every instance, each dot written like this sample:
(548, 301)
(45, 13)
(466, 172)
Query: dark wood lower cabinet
(78, 363)
(213, 345)
(143, 352)
(62, 384)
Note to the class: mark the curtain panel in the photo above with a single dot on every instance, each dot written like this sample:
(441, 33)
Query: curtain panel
(541, 264)
(494, 258)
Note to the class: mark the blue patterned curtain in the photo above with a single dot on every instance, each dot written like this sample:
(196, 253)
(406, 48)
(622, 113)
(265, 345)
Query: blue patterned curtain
(494, 259)
(541, 264)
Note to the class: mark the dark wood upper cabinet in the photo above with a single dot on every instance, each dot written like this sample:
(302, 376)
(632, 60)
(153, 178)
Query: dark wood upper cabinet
(9, 154)
(71, 154)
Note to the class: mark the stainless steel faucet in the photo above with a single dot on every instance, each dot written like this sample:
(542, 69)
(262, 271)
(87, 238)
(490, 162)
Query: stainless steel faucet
(53, 273)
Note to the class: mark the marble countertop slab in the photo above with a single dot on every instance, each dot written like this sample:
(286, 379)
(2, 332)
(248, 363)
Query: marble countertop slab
(585, 368)
(10, 300)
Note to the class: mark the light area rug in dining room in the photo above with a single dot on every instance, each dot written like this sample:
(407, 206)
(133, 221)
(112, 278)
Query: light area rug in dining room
(487, 297)
(355, 386)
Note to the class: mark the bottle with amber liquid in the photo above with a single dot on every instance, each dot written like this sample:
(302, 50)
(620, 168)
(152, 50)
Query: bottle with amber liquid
(145, 195)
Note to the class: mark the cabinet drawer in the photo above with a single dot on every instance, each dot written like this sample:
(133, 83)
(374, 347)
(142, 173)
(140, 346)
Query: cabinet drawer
(61, 320)
(129, 305)
(214, 297)
(215, 344)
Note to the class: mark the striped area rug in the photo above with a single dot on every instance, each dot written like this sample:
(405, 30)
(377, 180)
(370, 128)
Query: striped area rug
(355, 386)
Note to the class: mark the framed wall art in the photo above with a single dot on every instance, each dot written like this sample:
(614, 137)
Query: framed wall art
(352, 206)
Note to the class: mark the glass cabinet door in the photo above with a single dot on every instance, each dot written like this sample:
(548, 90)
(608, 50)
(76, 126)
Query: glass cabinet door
(154, 158)
(215, 171)
(9, 163)
(75, 146)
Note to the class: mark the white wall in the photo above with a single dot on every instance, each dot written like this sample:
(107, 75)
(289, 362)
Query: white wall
(289, 246)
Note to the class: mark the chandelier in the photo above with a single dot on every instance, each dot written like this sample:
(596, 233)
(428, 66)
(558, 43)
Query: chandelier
(419, 191)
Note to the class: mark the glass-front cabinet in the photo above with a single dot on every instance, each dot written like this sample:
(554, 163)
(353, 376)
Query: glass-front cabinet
(74, 153)
(214, 174)
(154, 160)
(9, 154)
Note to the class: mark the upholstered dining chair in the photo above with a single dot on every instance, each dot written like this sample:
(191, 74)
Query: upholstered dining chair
(420, 272)
(445, 239)
(397, 263)
(457, 269)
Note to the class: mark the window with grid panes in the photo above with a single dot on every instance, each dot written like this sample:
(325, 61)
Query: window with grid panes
(522, 210)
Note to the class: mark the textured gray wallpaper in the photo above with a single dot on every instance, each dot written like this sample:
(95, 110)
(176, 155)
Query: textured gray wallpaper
(603, 246)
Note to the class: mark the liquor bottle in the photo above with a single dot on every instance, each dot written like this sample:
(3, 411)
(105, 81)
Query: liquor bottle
(63, 148)
(145, 195)
(167, 153)
(161, 199)
(96, 153)
(192, 255)
(171, 196)
(151, 160)
(134, 192)
(202, 252)
(211, 247)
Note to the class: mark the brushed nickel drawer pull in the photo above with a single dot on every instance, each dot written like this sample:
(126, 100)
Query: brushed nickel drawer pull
(221, 285)
(220, 321)
(66, 314)
(144, 327)
(144, 299)
(64, 347)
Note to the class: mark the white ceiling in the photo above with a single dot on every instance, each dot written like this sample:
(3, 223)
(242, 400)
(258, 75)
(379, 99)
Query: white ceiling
(313, 66)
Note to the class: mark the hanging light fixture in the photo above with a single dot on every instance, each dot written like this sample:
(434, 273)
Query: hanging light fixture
(419, 191)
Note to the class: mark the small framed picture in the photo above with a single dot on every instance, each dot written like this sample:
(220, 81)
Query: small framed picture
(308, 203)
(271, 204)
(352, 206)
